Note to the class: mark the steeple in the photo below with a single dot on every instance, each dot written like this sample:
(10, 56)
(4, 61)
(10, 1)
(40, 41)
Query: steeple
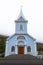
(21, 24)
(21, 17)
(21, 14)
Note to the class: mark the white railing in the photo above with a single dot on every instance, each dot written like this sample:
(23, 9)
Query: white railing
(40, 54)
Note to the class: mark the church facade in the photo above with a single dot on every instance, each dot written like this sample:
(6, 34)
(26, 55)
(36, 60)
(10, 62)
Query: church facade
(21, 42)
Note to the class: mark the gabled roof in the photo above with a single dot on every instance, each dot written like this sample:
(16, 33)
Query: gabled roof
(21, 34)
(21, 17)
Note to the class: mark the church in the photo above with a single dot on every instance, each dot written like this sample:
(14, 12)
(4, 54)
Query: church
(21, 42)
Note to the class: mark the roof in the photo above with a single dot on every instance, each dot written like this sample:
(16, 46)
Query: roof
(3, 36)
(21, 34)
(21, 14)
(21, 17)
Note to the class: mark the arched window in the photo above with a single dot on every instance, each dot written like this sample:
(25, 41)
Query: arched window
(21, 27)
(21, 42)
(12, 49)
(21, 37)
(28, 49)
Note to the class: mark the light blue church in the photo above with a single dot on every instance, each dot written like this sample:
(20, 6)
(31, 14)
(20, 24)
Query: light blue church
(21, 42)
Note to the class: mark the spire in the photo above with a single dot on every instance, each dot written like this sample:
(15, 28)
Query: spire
(21, 16)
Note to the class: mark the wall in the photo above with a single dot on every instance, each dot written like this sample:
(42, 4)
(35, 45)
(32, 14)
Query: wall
(28, 41)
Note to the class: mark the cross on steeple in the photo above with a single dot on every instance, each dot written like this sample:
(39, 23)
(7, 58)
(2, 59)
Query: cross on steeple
(21, 14)
(21, 17)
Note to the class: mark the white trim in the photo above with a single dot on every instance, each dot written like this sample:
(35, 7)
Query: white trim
(25, 50)
(16, 49)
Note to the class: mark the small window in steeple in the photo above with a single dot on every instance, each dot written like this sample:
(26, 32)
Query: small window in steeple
(21, 27)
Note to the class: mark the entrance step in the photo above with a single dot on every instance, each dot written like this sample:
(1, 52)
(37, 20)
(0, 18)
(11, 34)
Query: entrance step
(22, 57)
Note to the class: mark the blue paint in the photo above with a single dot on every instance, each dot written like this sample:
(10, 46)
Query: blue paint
(21, 38)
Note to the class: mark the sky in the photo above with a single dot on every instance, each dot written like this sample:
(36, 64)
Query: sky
(33, 12)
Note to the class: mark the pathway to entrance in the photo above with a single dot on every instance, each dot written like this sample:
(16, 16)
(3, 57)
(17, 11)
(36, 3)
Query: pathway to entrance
(20, 60)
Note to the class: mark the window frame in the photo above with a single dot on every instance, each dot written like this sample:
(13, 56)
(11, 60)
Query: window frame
(28, 49)
(13, 49)
(21, 27)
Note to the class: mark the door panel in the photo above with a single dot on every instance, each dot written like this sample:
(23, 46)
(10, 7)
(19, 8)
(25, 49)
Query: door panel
(20, 50)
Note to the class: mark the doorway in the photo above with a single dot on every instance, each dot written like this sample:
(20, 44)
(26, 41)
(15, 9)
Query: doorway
(20, 50)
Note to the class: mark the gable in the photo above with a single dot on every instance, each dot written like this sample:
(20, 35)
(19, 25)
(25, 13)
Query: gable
(31, 37)
(21, 36)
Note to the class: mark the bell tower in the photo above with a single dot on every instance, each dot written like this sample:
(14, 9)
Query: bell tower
(21, 24)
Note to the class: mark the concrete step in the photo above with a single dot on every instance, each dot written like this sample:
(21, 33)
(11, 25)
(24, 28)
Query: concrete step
(22, 57)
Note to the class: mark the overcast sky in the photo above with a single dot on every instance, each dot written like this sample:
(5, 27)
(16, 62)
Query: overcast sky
(33, 12)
